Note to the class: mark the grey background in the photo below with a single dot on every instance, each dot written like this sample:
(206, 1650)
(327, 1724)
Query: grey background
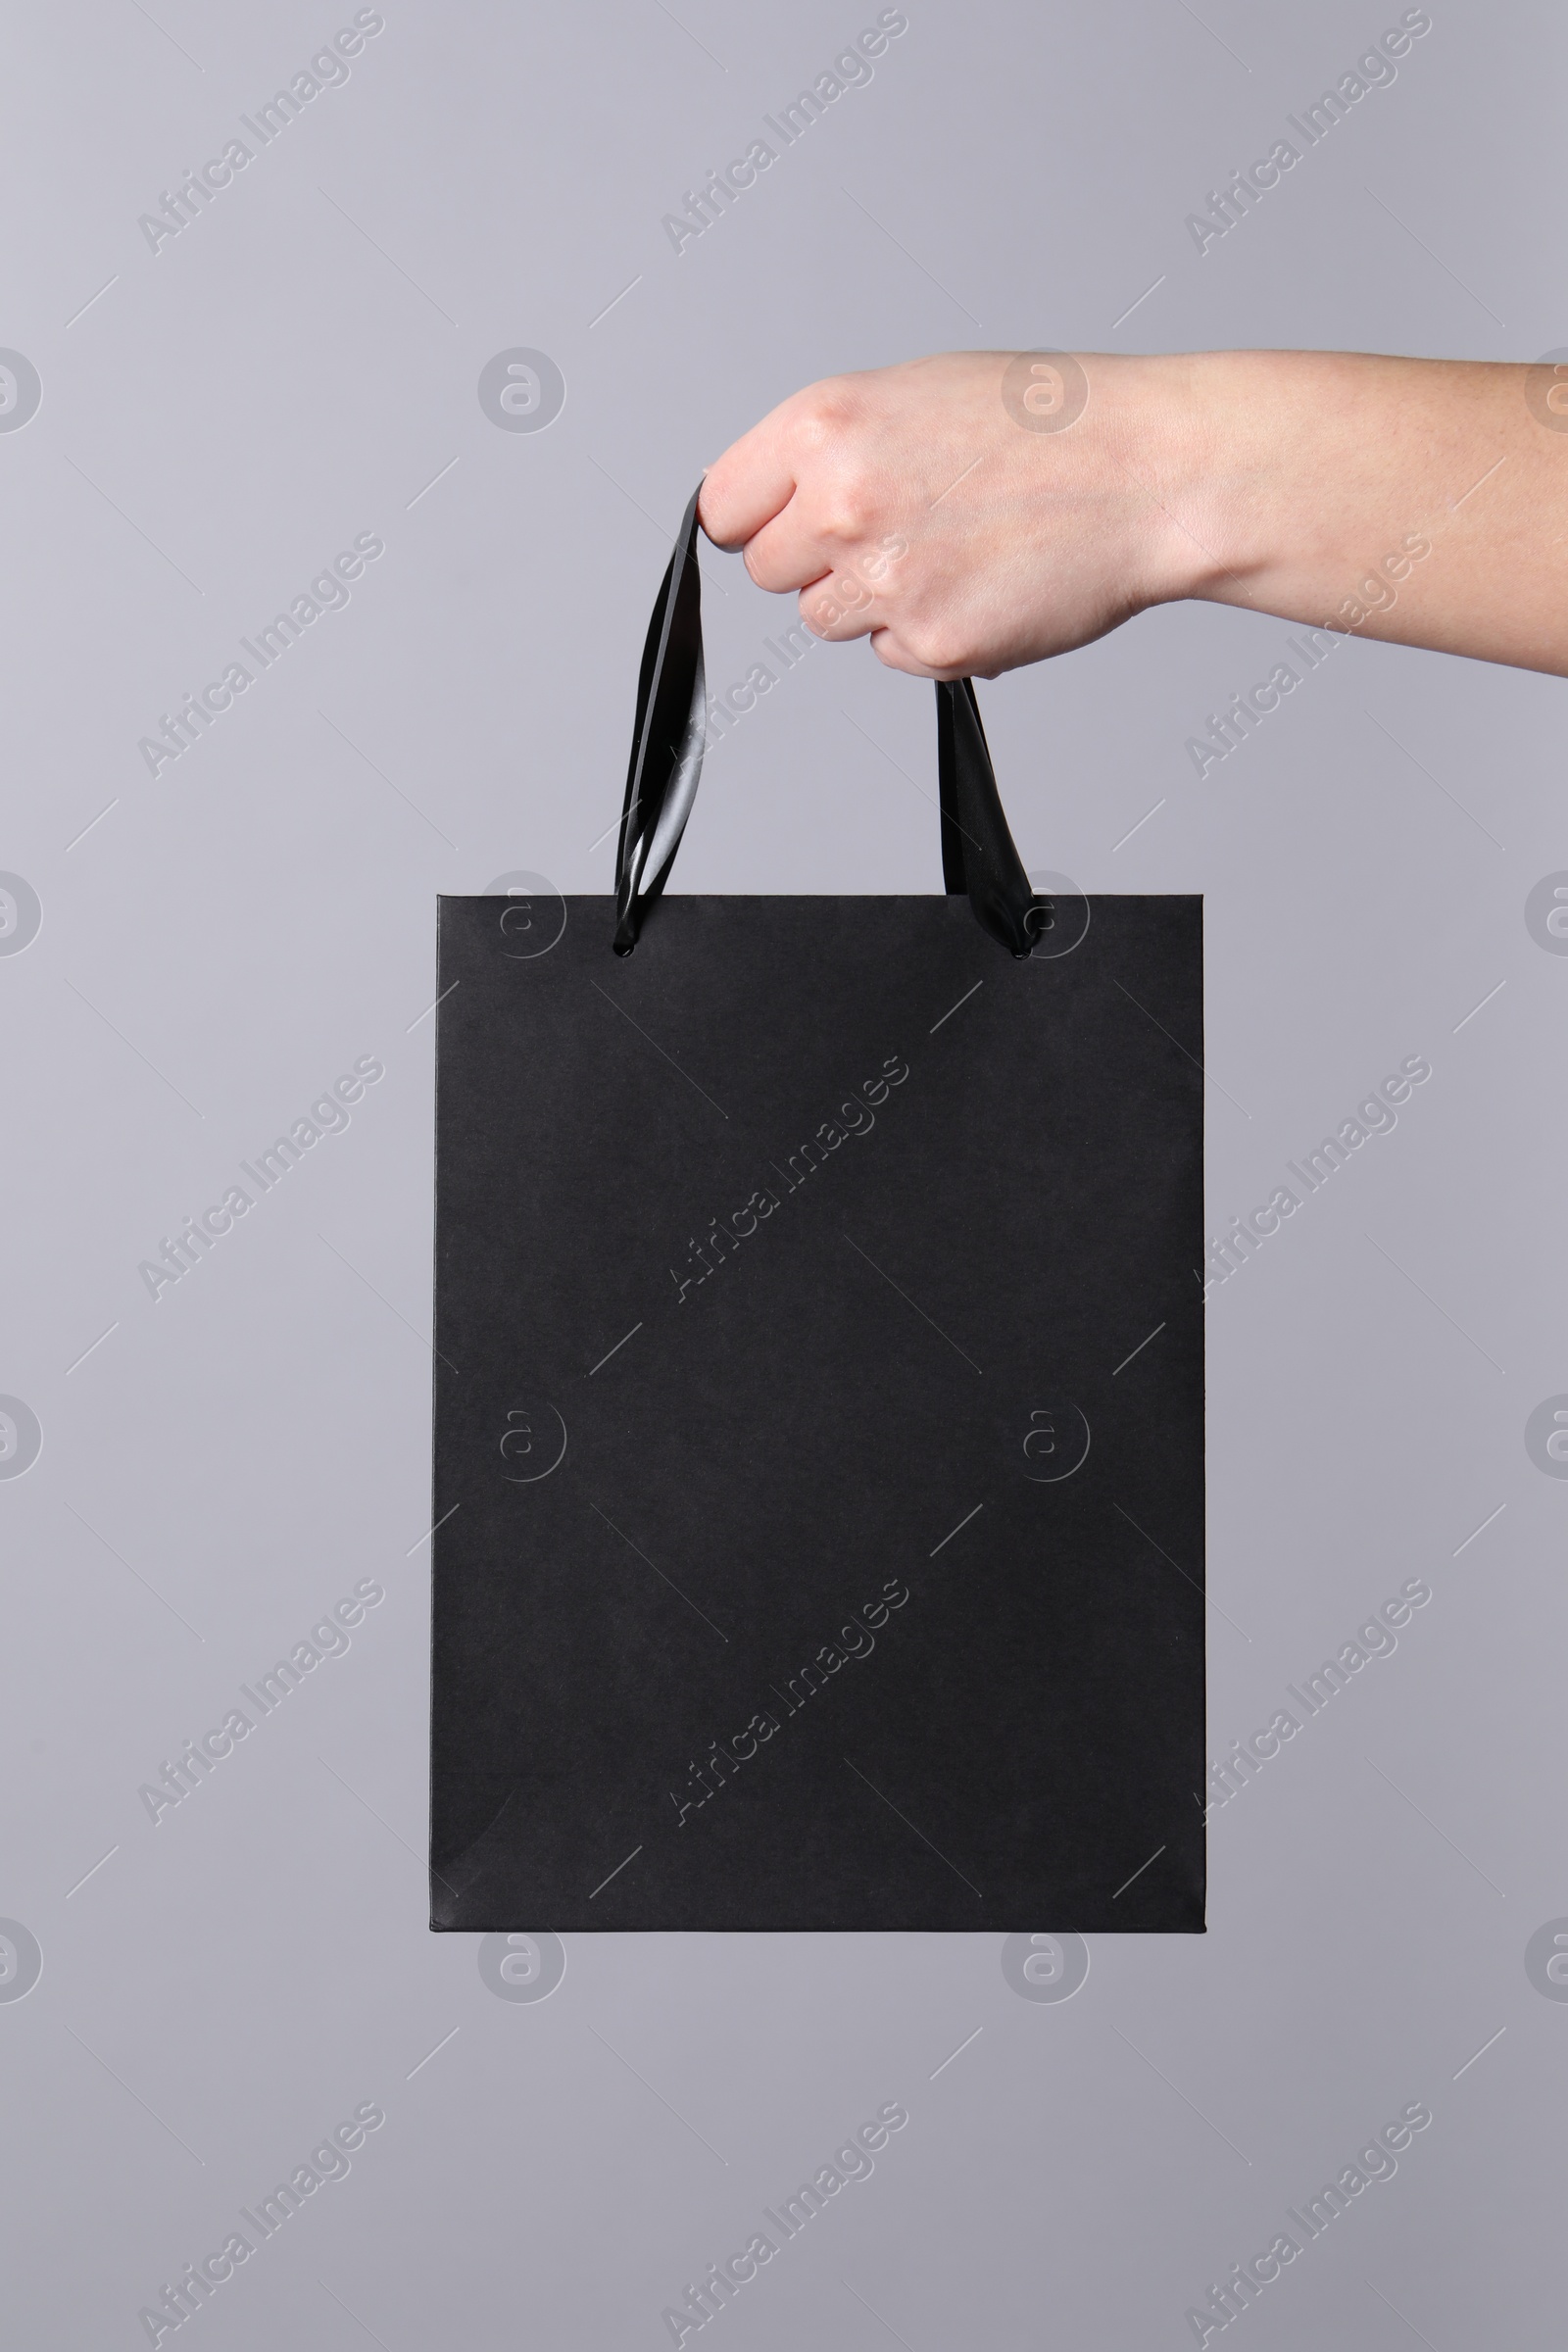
(296, 367)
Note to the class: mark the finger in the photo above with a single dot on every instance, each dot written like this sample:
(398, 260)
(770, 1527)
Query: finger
(748, 485)
(839, 607)
(893, 653)
(789, 551)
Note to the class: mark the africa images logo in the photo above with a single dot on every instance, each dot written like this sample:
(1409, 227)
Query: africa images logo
(329, 592)
(328, 1115)
(327, 69)
(851, 70)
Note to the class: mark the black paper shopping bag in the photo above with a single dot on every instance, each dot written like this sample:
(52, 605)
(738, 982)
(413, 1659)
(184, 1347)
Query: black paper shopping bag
(818, 1389)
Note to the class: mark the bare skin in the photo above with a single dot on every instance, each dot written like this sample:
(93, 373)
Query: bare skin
(977, 511)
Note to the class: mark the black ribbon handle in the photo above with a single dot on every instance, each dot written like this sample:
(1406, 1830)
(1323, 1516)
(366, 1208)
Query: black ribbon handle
(978, 856)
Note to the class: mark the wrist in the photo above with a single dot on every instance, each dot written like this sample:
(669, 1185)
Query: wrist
(1190, 430)
(1285, 467)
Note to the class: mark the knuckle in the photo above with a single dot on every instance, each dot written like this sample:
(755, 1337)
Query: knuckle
(845, 504)
(822, 415)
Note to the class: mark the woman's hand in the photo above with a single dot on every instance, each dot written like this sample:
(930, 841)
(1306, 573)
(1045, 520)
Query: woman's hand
(977, 511)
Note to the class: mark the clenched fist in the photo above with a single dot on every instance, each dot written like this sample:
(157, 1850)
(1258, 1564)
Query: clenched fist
(977, 511)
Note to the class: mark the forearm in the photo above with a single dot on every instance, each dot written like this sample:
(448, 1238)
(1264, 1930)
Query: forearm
(1420, 501)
